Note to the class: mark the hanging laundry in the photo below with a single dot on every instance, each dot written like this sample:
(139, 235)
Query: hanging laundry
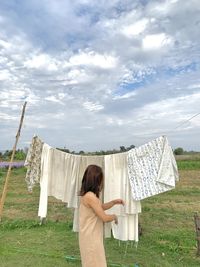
(127, 228)
(44, 180)
(117, 186)
(61, 176)
(152, 169)
(134, 175)
(33, 163)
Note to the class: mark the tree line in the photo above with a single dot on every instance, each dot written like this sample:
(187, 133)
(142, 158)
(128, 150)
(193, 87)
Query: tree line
(20, 154)
(101, 152)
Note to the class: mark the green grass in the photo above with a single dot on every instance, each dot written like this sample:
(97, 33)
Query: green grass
(168, 238)
(188, 164)
(188, 161)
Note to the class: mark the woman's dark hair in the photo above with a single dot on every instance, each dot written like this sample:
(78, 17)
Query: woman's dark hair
(92, 180)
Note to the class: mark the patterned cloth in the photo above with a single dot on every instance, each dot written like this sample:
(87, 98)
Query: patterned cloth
(152, 169)
(33, 163)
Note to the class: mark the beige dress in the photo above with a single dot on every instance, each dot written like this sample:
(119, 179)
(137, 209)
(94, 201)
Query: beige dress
(91, 238)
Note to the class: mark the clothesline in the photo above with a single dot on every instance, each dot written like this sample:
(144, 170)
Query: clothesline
(134, 175)
(166, 132)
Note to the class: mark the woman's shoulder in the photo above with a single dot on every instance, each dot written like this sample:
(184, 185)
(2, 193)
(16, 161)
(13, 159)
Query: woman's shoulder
(89, 197)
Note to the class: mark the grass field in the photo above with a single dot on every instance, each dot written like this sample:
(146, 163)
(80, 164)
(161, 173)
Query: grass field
(168, 237)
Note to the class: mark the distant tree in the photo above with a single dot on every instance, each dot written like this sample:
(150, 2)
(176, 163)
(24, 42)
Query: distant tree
(122, 148)
(66, 150)
(7, 154)
(100, 152)
(130, 147)
(63, 149)
(114, 151)
(179, 151)
(20, 154)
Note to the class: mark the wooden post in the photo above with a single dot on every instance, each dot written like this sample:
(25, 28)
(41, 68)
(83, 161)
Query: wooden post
(11, 160)
(197, 225)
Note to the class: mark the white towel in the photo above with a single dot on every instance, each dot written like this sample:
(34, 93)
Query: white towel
(117, 186)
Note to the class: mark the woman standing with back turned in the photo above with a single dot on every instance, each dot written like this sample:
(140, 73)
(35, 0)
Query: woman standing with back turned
(92, 217)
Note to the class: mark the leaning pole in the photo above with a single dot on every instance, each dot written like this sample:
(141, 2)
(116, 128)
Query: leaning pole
(3, 197)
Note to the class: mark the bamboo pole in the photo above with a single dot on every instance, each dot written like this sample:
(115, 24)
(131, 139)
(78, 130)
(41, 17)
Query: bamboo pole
(3, 197)
(197, 226)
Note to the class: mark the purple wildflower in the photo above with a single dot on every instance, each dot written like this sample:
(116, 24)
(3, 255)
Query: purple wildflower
(17, 164)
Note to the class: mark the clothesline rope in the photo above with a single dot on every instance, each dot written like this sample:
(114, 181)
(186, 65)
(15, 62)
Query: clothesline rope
(197, 114)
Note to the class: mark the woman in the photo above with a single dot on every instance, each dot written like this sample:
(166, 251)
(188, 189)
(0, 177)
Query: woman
(91, 218)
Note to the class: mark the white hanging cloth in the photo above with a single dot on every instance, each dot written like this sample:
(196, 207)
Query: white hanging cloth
(117, 185)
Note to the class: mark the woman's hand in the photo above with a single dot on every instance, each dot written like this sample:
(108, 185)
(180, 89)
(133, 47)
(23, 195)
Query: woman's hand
(118, 202)
(110, 204)
(115, 219)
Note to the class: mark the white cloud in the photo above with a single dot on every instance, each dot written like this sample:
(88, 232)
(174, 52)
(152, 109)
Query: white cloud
(194, 86)
(12, 95)
(53, 98)
(114, 121)
(5, 45)
(162, 8)
(41, 61)
(156, 41)
(124, 96)
(136, 28)
(4, 75)
(94, 59)
(92, 106)
(77, 76)
(87, 127)
(6, 117)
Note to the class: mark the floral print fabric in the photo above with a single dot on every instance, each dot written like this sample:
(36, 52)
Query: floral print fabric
(152, 169)
(33, 163)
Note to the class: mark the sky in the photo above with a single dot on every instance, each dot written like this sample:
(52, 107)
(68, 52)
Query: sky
(98, 75)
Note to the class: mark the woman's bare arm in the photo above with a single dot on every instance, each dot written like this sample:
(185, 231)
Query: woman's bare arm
(92, 201)
(110, 204)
